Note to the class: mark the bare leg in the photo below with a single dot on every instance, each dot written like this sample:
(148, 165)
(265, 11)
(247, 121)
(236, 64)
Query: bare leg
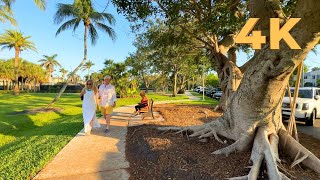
(107, 118)
(91, 123)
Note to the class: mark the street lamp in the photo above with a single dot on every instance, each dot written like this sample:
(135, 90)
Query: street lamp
(202, 82)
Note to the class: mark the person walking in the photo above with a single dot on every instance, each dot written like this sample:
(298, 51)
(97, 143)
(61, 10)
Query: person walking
(107, 95)
(89, 105)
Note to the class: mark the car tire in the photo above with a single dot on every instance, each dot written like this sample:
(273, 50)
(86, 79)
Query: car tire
(311, 119)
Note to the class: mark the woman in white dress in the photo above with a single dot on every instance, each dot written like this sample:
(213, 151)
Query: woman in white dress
(89, 106)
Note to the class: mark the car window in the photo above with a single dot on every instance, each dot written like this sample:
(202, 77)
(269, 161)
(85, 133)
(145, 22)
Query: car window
(303, 93)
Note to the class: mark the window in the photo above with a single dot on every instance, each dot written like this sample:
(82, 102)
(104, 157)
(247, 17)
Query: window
(303, 93)
(313, 77)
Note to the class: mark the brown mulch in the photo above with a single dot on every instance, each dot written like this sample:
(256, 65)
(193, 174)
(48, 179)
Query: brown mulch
(153, 154)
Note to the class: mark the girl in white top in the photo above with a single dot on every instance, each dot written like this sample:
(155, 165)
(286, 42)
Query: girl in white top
(89, 106)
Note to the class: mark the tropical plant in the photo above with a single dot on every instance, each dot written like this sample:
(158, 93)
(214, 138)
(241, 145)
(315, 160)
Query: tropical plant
(87, 66)
(15, 39)
(253, 92)
(7, 72)
(49, 62)
(125, 85)
(40, 3)
(63, 73)
(28, 72)
(82, 11)
(6, 13)
(212, 80)
(315, 69)
(74, 78)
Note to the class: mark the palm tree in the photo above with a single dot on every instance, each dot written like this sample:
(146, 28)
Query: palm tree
(49, 62)
(82, 11)
(15, 39)
(6, 13)
(63, 72)
(40, 3)
(87, 66)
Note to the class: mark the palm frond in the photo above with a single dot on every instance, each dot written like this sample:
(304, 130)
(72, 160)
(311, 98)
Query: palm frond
(76, 24)
(6, 14)
(107, 29)
(12, 38)
(110, 18)
(64, 11)
(54, 56)
(66, 25)
(41, 4)
(93, 34)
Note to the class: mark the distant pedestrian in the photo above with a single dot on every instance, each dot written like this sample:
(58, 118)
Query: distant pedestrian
(107, 95)
(89, 105)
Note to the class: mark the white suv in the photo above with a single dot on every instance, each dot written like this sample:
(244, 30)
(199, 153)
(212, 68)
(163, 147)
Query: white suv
(308, 105)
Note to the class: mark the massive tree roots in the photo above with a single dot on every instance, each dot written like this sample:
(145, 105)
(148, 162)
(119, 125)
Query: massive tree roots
(264, 141)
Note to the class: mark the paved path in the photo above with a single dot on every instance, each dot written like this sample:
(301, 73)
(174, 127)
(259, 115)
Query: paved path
(100, 155)
(310, 130)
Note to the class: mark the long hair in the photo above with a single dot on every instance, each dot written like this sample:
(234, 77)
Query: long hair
(95, 89)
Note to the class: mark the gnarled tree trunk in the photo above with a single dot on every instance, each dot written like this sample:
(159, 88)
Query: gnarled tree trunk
(253, 112)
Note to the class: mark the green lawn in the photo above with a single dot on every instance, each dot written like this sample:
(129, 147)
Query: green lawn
(28, 142)
(207, 100)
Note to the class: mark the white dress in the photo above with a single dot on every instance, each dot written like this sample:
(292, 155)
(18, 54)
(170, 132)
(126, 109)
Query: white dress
(89, 111)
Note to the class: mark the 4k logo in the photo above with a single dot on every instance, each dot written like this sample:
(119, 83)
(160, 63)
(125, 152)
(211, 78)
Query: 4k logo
(276, 34)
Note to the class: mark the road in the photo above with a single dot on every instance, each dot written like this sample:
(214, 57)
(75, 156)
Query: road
(309, 130)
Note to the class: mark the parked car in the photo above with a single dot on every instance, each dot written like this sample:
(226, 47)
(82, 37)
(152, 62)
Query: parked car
(217, 95)
(308, 105)
(203, 89)
(197, 89)
(209, 92)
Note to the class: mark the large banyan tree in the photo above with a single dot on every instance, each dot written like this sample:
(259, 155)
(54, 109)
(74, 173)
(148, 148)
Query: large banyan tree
(253, 93)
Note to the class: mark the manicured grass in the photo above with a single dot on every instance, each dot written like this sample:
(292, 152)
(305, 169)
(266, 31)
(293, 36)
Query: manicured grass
(207, 100)
(155, 96)
(29, 141)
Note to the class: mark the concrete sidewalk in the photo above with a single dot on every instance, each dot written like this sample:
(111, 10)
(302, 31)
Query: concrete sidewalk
(99, 155)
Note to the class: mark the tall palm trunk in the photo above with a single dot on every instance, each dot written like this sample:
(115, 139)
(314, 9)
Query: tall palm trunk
(16, 66)
(88, 73)
(50, 77)
(75, 70)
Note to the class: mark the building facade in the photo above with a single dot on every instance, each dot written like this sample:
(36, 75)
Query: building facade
(312, 77)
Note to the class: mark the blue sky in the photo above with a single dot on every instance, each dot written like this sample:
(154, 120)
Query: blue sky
(68, 45)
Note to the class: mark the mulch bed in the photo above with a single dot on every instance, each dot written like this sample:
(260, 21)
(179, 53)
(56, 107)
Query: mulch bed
(153, 154)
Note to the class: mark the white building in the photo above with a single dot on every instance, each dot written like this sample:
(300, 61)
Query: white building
(312, 77)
